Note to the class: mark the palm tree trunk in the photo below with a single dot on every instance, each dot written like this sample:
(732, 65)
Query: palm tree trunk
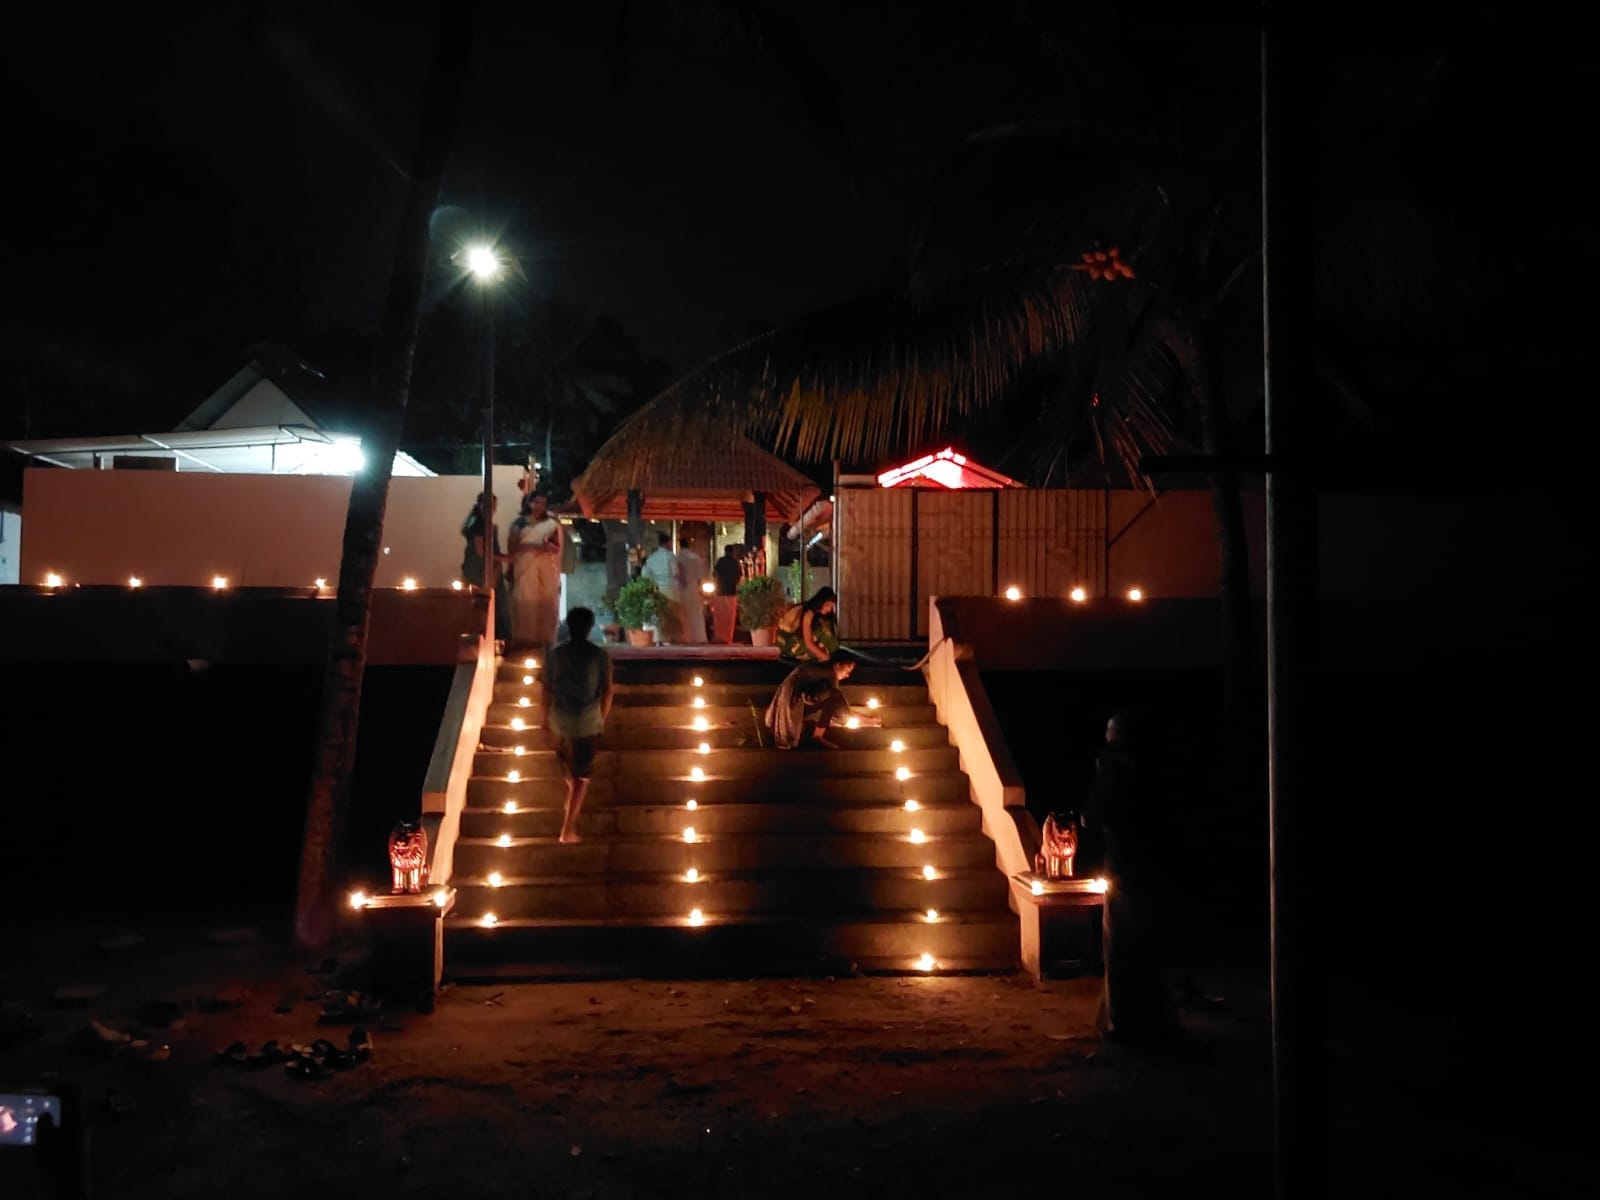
(328, 804)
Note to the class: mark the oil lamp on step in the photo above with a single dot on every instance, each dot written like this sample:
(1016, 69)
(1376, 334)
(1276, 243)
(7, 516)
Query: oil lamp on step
(408, 850)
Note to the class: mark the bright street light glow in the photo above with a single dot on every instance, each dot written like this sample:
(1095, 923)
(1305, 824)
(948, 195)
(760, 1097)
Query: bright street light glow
(483, 262)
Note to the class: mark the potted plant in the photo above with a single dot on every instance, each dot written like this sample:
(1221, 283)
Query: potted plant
(762, 600)
(638, 605)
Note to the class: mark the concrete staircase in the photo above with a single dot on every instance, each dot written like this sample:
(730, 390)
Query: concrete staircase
(706, 854)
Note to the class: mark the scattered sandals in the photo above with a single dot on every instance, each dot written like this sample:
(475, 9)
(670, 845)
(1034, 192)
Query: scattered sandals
(317, 1061)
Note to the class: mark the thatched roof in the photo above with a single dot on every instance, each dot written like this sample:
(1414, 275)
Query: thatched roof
(689, 472)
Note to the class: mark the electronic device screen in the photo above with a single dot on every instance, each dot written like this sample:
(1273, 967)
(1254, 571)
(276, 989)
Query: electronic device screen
(20, 1113)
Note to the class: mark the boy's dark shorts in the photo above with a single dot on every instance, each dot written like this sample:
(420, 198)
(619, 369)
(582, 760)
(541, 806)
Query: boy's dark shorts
(576, 755)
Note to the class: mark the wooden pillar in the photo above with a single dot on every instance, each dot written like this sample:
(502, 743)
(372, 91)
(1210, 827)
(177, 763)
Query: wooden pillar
(635, 517)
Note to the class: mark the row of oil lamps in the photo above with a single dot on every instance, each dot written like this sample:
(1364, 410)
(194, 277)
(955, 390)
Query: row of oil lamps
(409, 584)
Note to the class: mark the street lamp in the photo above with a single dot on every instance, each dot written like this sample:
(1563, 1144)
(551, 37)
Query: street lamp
(486, 265)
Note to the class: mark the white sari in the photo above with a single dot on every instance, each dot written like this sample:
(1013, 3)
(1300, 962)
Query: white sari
(536, 584)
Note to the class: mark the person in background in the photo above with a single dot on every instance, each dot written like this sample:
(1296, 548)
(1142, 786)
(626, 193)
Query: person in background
(575, 695)
(472, 562)
(691, 600)
(806, 631)
(1127, 804)
(811, 693)
(725, 604)
(662, 566)
(535, 540)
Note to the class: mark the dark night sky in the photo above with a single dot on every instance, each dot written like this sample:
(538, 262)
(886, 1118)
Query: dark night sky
(684, 187)
(186, 185)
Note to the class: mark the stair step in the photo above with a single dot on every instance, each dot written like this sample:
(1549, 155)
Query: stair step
(682, 712)
(509, 693)
(476, 857)
(491, 790)
(726, 735)
(710, 819)
(744, 763)
(958, 895)
(671, 947)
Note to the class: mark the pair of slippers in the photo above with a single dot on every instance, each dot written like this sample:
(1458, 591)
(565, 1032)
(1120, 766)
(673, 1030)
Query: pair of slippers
(316, 1061)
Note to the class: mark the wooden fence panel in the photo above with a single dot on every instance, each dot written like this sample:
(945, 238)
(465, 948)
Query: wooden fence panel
(955, 549)
(873, 529)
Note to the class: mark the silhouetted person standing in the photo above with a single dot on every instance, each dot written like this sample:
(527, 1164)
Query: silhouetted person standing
(1127, 805)
(725, 604)
(576, 699)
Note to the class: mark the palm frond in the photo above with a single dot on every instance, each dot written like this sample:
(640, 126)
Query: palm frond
(862, 380)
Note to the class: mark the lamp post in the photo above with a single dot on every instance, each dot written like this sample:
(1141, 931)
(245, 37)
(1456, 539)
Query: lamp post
(484, 264)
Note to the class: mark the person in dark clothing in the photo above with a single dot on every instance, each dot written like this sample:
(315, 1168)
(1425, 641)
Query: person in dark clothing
(725, 604)
(472, 562)
(1127, 805)
(810, 693)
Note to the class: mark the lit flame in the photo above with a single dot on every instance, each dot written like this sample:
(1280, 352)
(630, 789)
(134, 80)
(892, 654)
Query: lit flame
(518, 724)
(701, 724)
(514, 776)
(489, 920)
(529, 663)
(1078, 595)
(441, 898)
(929, 873)
(320, 582)
(853, 723)
(503, 840)
(524, 702)
(1013, 593)
(219, 582)
(689, 835)
(696, 917)
(496, 879)
(703, 748)
(1135, 594)
(1037, 888)
(1098, 885)
(519, 750)
(697, 775)
(699, 681)
(872, 702)
(926, 962)
(455, 585)
(708, 587)
(902, 773)
(692, 805)
(134, 581)
(528, 679)
(692, 875)
(918, 837)
(912, 806)
(511, 806)
(358, 899)
(408, 584)
(897, 746)
(933, 915)
(52, 580)
(699, 701)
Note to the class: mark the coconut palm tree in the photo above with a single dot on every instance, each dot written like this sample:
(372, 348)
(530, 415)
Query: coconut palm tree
(328, 803)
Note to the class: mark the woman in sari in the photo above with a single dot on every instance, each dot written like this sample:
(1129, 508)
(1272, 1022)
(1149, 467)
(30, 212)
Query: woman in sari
(536, 574)
(806, 632)
(810, 698)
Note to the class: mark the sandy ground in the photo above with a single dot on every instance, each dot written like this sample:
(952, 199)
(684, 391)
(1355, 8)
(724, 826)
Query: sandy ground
(925, 1087)
(851, 1087)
